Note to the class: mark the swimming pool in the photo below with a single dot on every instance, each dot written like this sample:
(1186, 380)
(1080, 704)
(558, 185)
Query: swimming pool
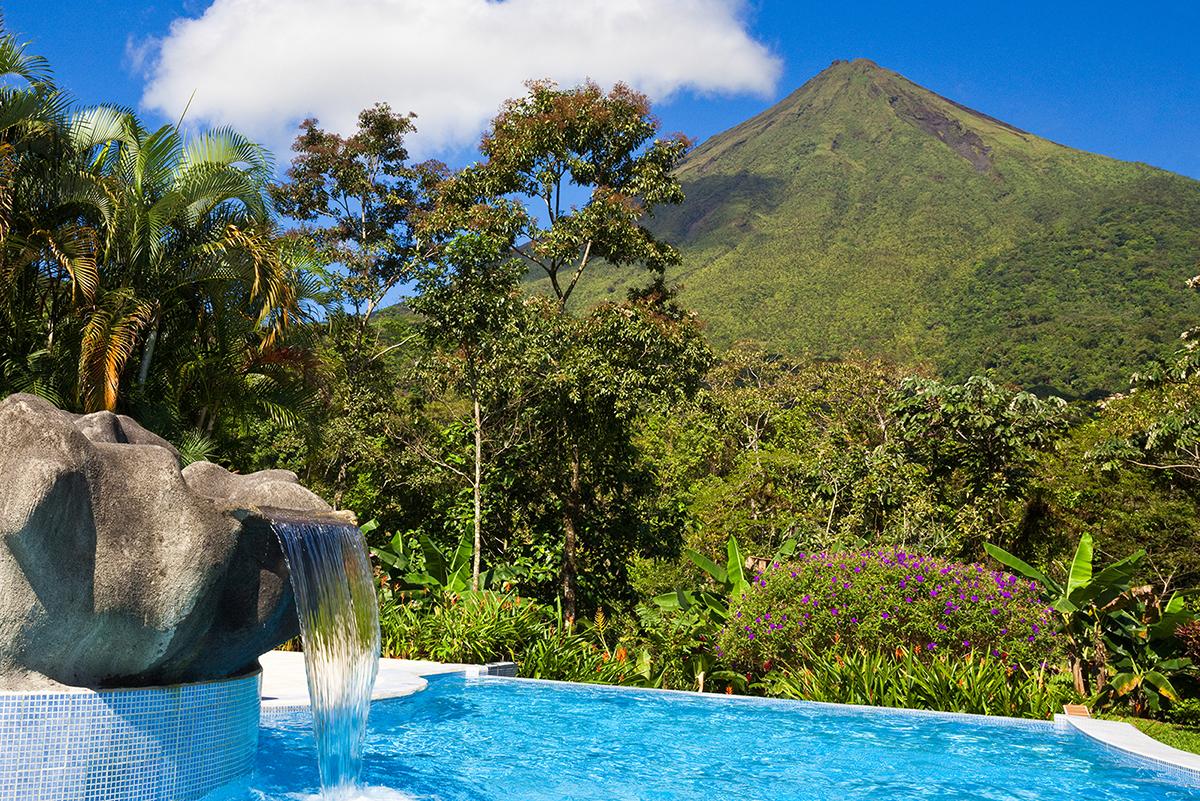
(496, 739)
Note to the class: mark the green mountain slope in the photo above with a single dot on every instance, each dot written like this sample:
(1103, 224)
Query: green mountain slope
(864, 211)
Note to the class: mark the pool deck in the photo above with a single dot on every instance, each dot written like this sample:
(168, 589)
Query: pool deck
(285, 686)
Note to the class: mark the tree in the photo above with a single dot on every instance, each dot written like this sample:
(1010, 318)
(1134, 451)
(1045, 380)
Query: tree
(189, 239)
(979, 443)
(599, 375)
(539, 150)
(472, 312)
(550, 144)
(597, 369)
(117, 241)
(49, 210)
(357, 198)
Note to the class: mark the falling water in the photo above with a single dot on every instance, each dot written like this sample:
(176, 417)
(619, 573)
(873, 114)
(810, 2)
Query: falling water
(339, 625)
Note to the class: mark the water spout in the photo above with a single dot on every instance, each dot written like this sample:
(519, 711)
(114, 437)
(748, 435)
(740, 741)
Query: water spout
(339, 626)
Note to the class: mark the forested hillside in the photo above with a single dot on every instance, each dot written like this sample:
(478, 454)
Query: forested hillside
(865, 212)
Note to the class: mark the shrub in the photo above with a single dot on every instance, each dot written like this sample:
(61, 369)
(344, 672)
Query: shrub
(949, 683)
(471, 628)
(826, 603)
(565, 654)
(1189, 639)
(1185, 712)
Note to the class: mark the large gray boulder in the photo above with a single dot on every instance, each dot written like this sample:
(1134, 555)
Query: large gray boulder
(117, 568)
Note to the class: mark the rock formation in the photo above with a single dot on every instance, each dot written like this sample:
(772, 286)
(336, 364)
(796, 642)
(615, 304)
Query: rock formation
(119, 569)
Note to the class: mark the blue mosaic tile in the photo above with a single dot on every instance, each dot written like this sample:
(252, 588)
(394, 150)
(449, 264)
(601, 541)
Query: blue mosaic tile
(157, 744)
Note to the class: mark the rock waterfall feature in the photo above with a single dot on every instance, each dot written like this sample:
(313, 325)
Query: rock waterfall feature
(119, 569)
(135, 599)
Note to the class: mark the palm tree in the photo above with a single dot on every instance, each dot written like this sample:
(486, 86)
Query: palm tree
(143, 269)
(48, 240)
(190, 230)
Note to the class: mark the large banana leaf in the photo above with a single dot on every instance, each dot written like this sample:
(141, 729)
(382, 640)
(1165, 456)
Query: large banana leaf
(710, 567)
(1027, 570)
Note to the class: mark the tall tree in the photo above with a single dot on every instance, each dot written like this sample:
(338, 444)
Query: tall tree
(189, 221)
(555, 144)
(541, 150)
(49, 210)
(472, 316)
(357, 198)
(117, 242)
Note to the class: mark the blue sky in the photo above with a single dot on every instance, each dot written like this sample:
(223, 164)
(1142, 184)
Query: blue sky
(1118, 79)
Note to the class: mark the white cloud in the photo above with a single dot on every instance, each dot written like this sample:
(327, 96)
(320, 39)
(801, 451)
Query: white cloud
(262, 65)
(137, 52)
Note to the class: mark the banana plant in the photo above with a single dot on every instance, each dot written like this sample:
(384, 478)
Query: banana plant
(1086, 602)
(730, 580)
(1148, 659)
(429, 568)
(1146, 680)
(1084, 587)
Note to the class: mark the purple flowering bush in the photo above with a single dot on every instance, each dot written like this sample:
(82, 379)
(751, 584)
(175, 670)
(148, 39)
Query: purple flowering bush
(886, 600)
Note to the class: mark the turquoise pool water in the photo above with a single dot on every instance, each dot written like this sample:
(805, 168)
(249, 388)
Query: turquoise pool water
(509, 740)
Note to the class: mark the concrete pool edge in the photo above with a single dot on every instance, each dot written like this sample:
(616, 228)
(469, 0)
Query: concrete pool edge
(1127, 739)
(285, 685)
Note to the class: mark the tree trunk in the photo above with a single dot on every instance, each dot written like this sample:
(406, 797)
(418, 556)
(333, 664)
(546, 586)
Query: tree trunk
(477, 490)
(147, 355)
(1077, 675)
(570, 539)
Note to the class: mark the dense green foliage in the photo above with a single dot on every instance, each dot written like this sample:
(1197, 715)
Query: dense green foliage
(975, 685)
(864, 212)
(589, 488)
(140, 269)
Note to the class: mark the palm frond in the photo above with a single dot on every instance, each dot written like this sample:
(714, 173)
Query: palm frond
(110, 335)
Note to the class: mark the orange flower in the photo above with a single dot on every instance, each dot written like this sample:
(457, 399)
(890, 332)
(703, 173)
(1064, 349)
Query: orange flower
(620, 654)
(729, 689)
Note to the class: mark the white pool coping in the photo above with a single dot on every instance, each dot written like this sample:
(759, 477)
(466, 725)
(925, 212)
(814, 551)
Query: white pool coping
(285, 685)
(1126, 738)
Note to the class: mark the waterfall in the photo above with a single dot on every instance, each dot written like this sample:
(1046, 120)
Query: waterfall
(339, 625)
